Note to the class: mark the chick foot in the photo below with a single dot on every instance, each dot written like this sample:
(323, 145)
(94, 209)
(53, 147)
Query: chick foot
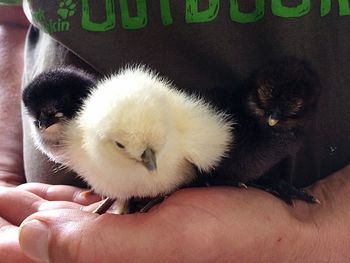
(152, 203)
(242, 185)
(104, 206)
(285, 191)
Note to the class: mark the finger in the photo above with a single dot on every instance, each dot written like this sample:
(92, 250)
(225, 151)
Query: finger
(61, 193)
(16, 205)
(77, 236)
(3, 224)
(10, 250)
(27, 203)
(52, 205)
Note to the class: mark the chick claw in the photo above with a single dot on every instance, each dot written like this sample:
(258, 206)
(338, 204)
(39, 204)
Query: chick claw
(152, 203)
(285, 191)
(104, 206)
(242, 185)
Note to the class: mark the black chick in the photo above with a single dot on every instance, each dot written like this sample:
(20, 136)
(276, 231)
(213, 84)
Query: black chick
(272, 117)
(51, 99)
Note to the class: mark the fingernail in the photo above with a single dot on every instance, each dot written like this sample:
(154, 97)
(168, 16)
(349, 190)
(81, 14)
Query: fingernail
(34, 240)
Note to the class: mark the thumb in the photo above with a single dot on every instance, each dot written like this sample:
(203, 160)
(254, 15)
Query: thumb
(78, 236)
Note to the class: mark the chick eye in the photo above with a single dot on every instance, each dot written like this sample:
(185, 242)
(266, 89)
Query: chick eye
(268, 112)
(120, 145)
(264, 91)
(293, 114)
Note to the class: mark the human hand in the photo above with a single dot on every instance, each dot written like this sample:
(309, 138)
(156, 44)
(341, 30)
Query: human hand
(18, 203)
(207, 225)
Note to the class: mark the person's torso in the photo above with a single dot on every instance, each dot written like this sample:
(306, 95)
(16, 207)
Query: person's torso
(209, 46)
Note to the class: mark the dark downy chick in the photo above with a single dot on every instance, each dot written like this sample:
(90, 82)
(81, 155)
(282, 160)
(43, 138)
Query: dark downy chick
(272, 117)
(51, 100)
(283, 96)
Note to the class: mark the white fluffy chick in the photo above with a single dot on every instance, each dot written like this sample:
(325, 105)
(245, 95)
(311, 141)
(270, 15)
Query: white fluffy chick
(138, 136)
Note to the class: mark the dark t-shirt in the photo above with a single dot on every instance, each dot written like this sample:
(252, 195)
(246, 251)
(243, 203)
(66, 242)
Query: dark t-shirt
(204, 47)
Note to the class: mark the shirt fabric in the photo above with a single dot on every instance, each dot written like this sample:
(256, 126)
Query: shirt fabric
(203, 47)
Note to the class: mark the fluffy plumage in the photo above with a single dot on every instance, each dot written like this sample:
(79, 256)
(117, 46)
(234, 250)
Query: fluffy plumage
(272, 115)
(51, 100)
(283, 95)
(138, 136)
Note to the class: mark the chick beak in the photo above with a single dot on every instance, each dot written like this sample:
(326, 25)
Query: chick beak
(274, 118)
(44, 123)
(149, 160)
